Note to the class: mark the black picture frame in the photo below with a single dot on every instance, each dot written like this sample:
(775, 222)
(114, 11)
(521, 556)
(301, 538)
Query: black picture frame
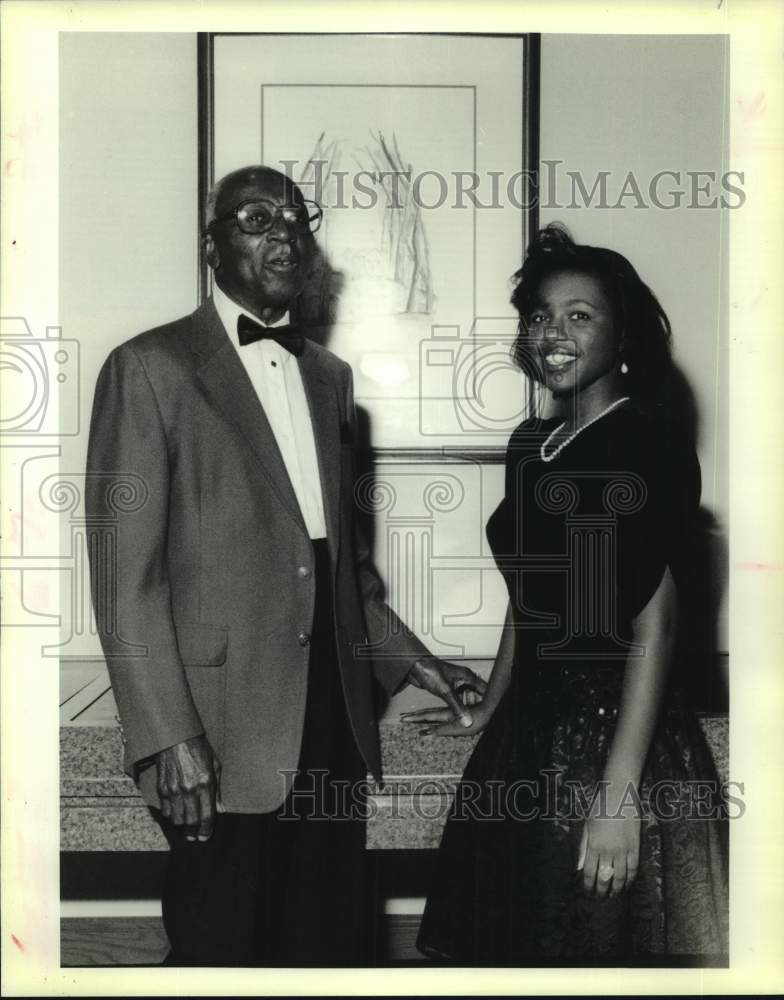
(529, 164)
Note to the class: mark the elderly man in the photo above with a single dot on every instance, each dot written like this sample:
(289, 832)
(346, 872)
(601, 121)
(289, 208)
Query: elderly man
(246, 623)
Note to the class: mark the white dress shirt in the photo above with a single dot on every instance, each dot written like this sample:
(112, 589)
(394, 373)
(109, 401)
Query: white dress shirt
(276, 377)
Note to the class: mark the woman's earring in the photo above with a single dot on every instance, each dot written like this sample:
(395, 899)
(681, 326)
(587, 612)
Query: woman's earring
(624, 368)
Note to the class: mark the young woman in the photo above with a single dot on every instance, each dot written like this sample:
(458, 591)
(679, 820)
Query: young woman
(586, 828)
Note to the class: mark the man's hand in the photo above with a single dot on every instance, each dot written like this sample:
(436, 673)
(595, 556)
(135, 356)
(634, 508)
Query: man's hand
(187, 785)
(448, 681)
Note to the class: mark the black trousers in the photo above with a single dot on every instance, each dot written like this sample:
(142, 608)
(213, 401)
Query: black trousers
(293, 887)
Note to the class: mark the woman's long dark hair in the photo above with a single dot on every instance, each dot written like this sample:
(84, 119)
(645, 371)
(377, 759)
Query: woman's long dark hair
(644, 333)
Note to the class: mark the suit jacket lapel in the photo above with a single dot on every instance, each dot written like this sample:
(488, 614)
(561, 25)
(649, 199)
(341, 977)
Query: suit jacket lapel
(224, 377)
(321, 392)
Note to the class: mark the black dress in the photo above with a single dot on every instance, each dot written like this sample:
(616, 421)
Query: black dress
(582, 541)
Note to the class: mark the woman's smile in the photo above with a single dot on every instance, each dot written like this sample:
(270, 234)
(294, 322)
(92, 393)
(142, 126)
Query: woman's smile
(559, 359)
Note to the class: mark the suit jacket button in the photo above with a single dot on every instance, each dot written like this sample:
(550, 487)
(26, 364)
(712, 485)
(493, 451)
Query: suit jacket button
(305, 572)
(304, 638)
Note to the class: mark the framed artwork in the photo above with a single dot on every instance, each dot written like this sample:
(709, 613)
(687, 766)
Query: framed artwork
(422, 151)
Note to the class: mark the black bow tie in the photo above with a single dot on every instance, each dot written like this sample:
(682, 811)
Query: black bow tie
(288, 336)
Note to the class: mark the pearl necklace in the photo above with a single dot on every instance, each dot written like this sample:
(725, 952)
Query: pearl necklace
(557, 451)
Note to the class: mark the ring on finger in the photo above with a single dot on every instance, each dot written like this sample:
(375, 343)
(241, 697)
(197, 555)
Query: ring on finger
(605, 873)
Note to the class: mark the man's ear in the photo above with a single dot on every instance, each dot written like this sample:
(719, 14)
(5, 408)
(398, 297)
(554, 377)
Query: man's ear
(211, 253)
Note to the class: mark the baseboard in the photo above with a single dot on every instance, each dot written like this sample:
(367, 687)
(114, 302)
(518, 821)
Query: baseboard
(131, 909)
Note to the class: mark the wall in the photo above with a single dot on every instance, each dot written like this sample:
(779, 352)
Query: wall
(621, 103)
(128, 193)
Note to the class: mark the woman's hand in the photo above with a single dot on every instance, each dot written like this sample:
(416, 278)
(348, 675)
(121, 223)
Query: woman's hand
(610, 845)
(442, 721)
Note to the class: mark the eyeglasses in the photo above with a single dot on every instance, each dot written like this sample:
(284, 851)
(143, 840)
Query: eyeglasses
(257, 216)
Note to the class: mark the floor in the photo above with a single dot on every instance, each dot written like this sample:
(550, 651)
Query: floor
(122, 941)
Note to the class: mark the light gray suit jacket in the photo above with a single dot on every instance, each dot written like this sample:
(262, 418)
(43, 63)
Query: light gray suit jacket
(206, 602)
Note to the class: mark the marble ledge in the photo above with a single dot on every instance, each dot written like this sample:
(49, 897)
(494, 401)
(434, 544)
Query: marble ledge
(125, 824)
(90, 756)
(101, 809)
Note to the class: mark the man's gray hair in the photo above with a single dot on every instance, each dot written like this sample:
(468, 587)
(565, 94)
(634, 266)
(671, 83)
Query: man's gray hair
(211, 201)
